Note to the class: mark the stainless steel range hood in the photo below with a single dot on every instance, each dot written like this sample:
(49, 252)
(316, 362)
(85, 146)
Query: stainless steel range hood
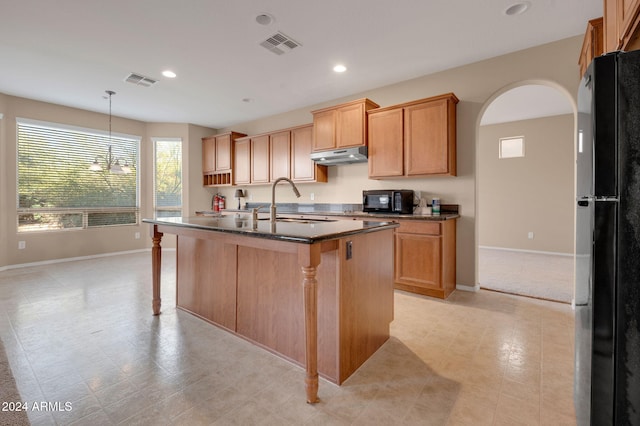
(341, 156)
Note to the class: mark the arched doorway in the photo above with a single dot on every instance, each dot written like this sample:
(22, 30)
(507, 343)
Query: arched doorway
(525, 192)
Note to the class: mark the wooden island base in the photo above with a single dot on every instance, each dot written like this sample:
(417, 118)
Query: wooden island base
(307, 303)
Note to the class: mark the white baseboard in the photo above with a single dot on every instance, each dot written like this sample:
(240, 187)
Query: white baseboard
(550, 253)
(71, 259)
(467, 288)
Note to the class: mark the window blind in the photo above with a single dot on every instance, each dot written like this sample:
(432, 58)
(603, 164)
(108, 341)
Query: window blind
(56, 189)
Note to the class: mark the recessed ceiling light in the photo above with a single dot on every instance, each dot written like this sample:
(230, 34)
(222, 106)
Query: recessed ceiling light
(264, 19)
(339, 68)
(517, 8)
(169, 74)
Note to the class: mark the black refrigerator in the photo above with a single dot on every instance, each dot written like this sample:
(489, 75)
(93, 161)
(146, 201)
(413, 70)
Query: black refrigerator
(607, 293)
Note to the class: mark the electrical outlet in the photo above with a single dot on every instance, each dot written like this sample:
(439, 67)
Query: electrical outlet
(250, 197)
(312, 196)
(137, 235)
(22, 245)
(530, 235)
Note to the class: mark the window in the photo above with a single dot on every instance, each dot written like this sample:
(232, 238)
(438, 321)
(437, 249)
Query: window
(167, 195)
(511, 147)
(56, 188)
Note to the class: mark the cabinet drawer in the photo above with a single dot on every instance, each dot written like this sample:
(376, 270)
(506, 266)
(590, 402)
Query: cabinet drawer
(416, 227)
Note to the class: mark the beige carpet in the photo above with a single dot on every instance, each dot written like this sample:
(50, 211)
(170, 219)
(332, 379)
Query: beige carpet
(8, 394)
(544, 276)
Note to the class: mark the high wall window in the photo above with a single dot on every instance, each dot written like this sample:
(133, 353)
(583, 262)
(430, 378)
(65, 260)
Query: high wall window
(167, 195)
(59, 186)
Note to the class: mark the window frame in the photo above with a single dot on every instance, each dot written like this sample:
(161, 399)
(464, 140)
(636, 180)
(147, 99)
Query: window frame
(154, 141)
(84, 211)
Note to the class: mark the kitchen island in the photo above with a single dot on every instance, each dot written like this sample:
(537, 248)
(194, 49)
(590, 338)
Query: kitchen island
(318, 293)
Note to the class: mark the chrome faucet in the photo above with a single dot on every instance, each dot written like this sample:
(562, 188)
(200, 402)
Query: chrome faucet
(273, 195)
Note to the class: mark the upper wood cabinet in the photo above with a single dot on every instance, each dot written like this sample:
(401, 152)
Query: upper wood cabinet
(280, 155)
(621, 25)
(341, 126)
(303, 169)
(260, 159)
(414, 139)
(217, 158)
(242, 161)
(593, 44)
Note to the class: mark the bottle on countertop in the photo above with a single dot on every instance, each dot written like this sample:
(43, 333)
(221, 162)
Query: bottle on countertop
(435, 206)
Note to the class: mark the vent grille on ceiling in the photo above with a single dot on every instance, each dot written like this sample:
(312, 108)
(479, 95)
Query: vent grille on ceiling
(140, 80)
(280, 43)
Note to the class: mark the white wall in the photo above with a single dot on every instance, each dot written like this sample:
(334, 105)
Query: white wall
(533, 193)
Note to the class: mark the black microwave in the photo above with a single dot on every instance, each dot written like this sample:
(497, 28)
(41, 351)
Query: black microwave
(387, 201)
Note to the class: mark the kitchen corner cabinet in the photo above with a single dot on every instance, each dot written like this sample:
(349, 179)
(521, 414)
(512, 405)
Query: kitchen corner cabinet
(217, 159)
(592, 45)
(621, 25)
(425, 257)
(341, 126)
(413, 139)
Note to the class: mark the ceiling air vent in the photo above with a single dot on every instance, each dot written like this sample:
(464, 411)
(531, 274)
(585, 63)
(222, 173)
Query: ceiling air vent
(280, 43)
(140, 80)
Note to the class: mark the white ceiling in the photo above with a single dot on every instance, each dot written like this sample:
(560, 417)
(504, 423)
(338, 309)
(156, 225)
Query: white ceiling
(70, 51)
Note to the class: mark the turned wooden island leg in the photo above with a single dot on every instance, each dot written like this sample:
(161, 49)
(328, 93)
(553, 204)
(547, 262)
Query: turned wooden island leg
(309, 258)
(156, 266)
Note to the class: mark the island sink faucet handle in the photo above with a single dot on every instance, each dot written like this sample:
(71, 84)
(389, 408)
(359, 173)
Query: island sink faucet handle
(254, 212)
(273, 195)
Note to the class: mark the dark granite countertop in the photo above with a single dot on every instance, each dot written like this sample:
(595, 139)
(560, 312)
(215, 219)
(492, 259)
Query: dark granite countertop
(299, 231)
(449, 211)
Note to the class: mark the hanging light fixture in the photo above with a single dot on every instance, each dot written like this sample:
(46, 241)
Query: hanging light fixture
(112, 163)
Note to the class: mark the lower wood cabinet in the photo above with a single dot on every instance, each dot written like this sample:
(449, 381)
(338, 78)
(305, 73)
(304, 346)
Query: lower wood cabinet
(425, 257)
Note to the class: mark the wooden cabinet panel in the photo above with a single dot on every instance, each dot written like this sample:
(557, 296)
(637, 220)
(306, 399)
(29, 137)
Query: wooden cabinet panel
(324, 130)
(386, 146)
(260, 159)
(224, 152)
(303, 169)
(621, 25)
(351, 126)
(425, 143)
(242, 161)
(209, 154)
(593, 44)
(343, 125)
(427, 148)
(280, 155)
(418, 259)
(206, 284)
(425, 257)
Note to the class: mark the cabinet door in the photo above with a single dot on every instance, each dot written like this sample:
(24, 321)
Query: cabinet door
(324, 130)
(427, 139)
(350, 126)
(303, 169)
(280, 155)
(418, 260)
(627, 21)
(386, 143)
(223, 152)
(260, 159)
(242, 162)
(209, 154)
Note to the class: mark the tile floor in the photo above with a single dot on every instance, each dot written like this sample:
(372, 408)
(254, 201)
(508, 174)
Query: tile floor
(83, 332)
